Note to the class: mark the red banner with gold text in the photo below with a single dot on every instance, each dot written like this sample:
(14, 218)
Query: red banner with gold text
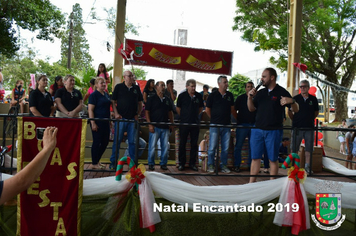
(177, 57)
(52, 205)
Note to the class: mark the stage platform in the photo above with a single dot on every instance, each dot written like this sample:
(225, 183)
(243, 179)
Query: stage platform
(202, 178)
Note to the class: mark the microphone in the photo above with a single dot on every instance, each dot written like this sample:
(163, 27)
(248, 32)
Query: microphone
(259, 85)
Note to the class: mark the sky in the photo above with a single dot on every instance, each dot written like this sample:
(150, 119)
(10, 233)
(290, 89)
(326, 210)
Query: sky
(209, 24)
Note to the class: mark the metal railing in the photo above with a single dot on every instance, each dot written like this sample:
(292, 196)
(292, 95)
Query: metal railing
(139, 124)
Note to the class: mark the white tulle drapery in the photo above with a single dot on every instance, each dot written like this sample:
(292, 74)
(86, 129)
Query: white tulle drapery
(181, 192)
(148, 216)
(332, 165)
(293, 193)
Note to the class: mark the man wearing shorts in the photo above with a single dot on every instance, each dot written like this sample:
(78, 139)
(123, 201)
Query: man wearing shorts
(308, 111)
(269, 104)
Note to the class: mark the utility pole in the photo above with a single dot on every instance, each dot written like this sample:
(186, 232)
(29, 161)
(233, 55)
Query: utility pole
(294, 44)
(69, 59)
(119, 38)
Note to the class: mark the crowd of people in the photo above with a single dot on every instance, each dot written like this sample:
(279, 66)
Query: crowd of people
(263, 109)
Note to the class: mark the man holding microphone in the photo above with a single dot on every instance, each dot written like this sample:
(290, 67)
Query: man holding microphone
(269, 104)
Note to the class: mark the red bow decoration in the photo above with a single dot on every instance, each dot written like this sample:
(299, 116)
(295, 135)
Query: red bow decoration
(298, 175)
(136, 176)
(301, 66)
(126, 54)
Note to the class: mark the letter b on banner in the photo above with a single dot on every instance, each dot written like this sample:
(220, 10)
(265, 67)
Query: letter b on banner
(29, 130)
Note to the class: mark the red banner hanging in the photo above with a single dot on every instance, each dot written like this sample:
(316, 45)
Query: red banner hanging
(52, 205)
(177, 57)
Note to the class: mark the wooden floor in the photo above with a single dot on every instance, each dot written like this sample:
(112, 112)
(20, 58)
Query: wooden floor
(201, 178)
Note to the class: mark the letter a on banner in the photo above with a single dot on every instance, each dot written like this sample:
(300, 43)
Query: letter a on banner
(53, 207)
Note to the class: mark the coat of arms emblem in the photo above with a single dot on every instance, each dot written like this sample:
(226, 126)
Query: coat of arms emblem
(328, 211)
(138, 49)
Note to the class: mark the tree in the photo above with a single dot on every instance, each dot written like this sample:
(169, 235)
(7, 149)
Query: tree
(17, 67)
(32, 15)
(328, 33)
(237, 84)
(80, 59)
(82, 79)
(51, 70)
(23, 63)
(111, 22)
(139, 73)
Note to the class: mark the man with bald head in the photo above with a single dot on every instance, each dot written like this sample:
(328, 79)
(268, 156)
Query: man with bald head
(127, 104)
(269, 104)
(158, 109)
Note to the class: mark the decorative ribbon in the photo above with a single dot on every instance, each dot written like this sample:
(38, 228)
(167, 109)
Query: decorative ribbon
(296, 174)
(293, 192)
(301, 66)
(291, 157)
(136, 176)
(120, 165)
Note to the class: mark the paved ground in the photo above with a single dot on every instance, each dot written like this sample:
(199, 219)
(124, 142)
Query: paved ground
(335, 153)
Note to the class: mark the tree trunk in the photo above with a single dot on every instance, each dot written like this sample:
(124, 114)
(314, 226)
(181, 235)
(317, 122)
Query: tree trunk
(340, 101)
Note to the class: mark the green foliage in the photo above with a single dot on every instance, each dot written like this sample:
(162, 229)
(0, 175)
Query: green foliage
(237, 84)
(44, 67)
(328, 34)
(17, 67)
(23, 63)
(34, 15)
(111, 22)
(88, 74)
(82, 80)
(139, 73)
(80, 59)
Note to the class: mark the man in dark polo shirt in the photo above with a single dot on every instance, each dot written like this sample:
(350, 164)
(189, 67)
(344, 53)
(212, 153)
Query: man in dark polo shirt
(127, 104)
(158, 109)
(269, 104)
(219, 106)
(189, 106)
(308, 111)
(245, 118)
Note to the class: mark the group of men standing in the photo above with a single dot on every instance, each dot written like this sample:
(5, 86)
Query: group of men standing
(127, 105)
(264, 110)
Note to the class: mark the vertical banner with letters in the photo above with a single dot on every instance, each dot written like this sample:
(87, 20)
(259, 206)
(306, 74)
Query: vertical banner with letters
(52, 205)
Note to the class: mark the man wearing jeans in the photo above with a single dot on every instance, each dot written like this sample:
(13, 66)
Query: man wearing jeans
(269, 104)
(219, 106)
(127, 104)
(158, 109)
(308, 111)
(245, 118)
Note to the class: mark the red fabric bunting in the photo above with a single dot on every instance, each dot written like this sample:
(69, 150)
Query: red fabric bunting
(299, 216)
